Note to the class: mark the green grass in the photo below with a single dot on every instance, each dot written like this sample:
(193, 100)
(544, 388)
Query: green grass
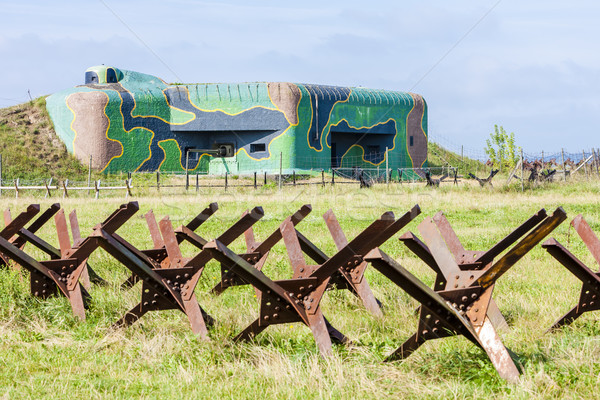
(31, 149)
(45, 352)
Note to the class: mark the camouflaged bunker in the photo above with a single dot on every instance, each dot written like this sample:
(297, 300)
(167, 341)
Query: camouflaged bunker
(129, 121)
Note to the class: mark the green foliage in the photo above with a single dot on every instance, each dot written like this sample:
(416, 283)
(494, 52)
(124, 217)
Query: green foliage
(501, 148)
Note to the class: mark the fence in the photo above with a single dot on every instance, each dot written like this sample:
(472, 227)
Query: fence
(165, 182)
(62, 188)
(453, 166)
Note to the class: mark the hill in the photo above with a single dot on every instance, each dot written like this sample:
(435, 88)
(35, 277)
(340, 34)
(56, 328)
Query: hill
(29, 146)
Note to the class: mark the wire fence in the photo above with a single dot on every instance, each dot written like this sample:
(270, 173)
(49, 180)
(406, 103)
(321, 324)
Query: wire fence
(148, 183)
(362, 171)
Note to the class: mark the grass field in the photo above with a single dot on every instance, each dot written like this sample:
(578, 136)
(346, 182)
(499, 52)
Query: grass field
(46, 353)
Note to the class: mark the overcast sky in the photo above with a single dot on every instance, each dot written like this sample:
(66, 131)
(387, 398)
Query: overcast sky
(531, 66)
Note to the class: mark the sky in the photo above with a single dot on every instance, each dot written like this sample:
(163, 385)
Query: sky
(532, 67)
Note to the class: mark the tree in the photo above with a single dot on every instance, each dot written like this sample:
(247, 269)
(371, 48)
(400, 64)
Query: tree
(501, 148)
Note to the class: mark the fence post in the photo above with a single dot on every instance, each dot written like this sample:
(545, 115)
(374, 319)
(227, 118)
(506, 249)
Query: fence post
(65, 183)
(323, 176)
(48, 184)
(563, 163)
(332, 177)
(187, 171)
(596, 161)
(399, 176)
(89, 173)
(158, 181)
(17, 188)
(197, 182)
(522, 173)
(280, 168)
(1, 183)
(265, 178)
(254, 179)
(97, 187)
(294, 177)
(584, 165)
(225, 180)
(387, 180)
(128, 193)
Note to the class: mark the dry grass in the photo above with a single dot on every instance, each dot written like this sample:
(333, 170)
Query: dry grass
(45, 352)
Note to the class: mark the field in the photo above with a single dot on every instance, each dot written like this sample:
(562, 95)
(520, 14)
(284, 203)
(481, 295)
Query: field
(45, 352)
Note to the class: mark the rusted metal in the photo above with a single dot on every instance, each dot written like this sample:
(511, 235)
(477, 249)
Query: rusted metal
(461, 301)
(63, 272)
(169, 279)
(351, 279)
(299, 299)
(589, 298)
(256, 252)
(485, 181)
(458, 267)
(20, 241)
(159, 253)
(162, 289)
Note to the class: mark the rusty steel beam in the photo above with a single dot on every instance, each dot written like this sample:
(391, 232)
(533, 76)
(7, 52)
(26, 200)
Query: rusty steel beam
(169, 281)
(63, 272)
(256, 252)
(459, 268)
(590, 291)
(464, 283)
(159, 253)
(299, 299)
(446, 313)
(163, 288)
(21, 240)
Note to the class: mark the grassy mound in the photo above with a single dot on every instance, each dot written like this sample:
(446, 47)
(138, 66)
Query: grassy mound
(29, 146)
